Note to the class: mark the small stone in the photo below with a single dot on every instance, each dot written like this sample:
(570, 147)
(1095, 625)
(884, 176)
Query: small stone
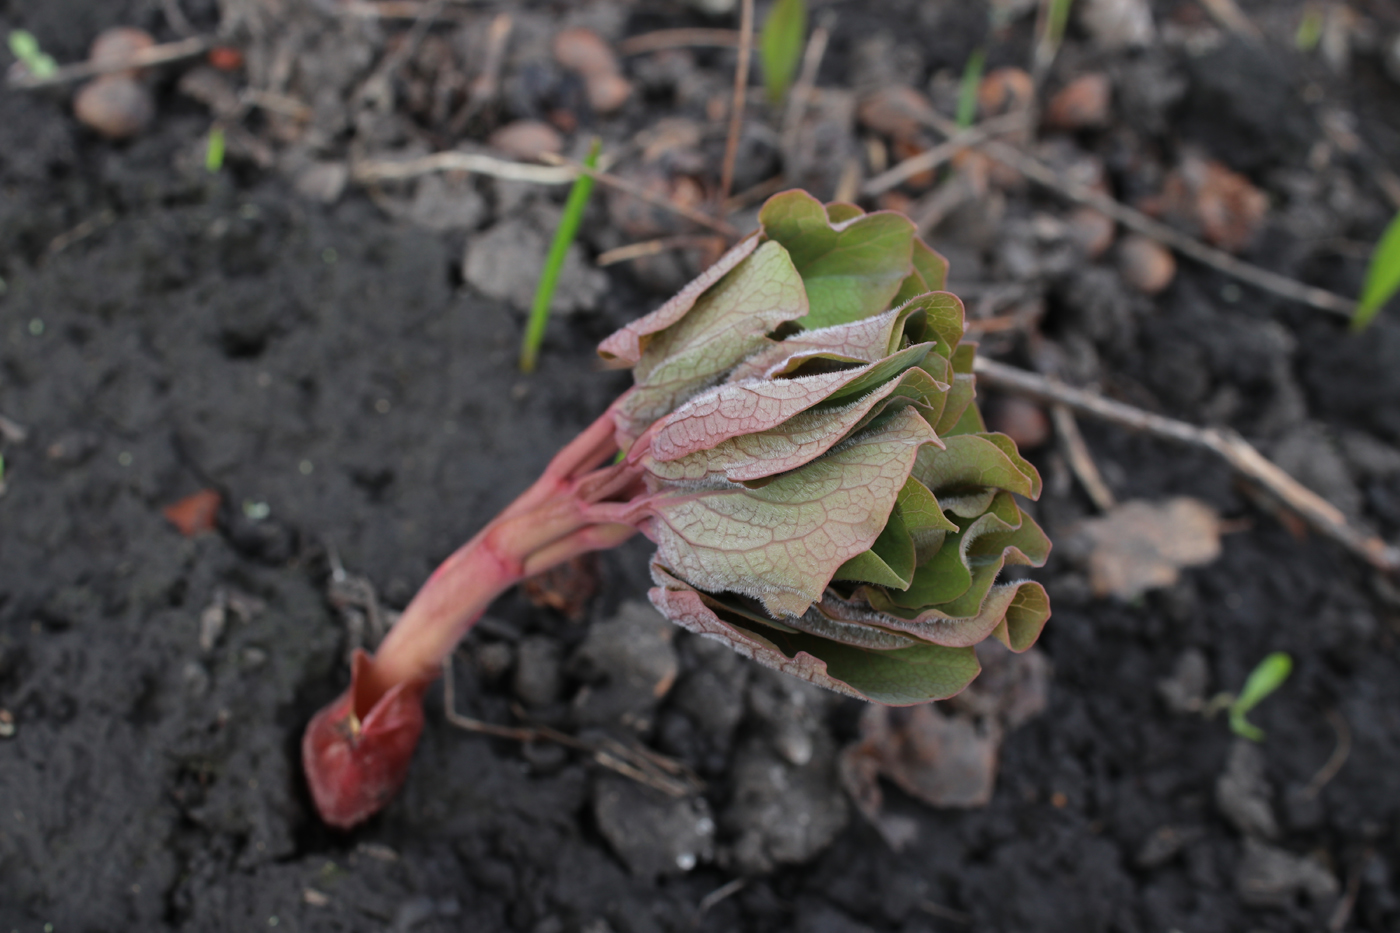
(782, 813)
(119, 44)
(629, 663)
(1082, 104)
(1242, 792)
(441, 206)
(322, 181)
(584, 51)
(526, 139)
(538, 680)
(1145, 264)
(1019, 419)
(653, 833)
(1090, 231)
(115, 105)
(1165, 844)
(1185, 690)
(1118, 24)
(1005, 90)
(1272, 877)
(896, 111)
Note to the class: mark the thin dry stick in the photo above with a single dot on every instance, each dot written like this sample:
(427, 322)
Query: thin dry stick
(801, 93)
(1228, 14)
(1080, 460)
(643, 766)
(653, 247)
(1338, 757)
(726, 890)
(932, 158)
(154, 55)
(1041, 173)
(1324, 517)
(1338, 921)
(486, 87)
(769, 186)
(627, 187)
(736, 108)
(396, 169)
(663, 39)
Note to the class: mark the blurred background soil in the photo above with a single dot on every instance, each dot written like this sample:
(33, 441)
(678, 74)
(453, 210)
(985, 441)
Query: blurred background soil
(330, 358)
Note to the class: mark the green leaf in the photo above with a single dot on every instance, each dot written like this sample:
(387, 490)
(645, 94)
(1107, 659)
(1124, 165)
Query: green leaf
(890, 560)
(727, 321)
(782, 542)
(564, 235)
(780, 46)
(897, 677)
(924, 519)
(972, 461)
(1382, 277)
(759, 429)
(852, 270)
(25, 47)
(967, 87)
(1267, 677)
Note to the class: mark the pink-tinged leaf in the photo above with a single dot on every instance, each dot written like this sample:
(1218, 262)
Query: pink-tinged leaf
(852, 269)
(900, 676)
(624, 348)
(782, 542)
(727, 323)
(1020, 607)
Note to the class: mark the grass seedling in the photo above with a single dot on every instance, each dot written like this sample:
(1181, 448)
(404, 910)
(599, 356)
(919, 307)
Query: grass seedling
(25, 47)
(967, 87)
(549, 276)
(1050, 32)
(1267, 677)
(1309, 32)
(214, 150)
(795, 413)
(1382, 277)
(780, 46)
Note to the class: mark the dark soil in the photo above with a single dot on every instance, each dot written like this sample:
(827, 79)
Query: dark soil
(327, 371)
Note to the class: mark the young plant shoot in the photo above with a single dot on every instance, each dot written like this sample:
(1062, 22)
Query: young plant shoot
(802, 446)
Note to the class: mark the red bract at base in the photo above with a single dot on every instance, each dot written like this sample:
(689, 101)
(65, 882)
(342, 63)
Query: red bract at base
(802, 446)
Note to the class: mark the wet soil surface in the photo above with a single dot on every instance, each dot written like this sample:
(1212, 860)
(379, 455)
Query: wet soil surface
(328, 373)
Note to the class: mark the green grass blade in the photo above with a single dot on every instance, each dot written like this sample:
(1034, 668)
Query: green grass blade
(780, 46)
(1382, 277)
(967, 89)
(25, 47)
(549, 277)
(1267, 677)
(214, 150)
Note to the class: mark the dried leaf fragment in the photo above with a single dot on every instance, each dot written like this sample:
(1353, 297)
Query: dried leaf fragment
(1141, 545)
(194, 514)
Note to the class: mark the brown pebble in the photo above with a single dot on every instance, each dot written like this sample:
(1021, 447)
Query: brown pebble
(1090, 230)
(1081, 104)
(1004, 91)
(1019, 419)
(1145, 264)
(120, 44)
(526, 139)
(584, 51)
(117, 106)
(895, 111)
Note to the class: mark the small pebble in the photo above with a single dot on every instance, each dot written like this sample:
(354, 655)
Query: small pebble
(1081, 104)
(894, 111)
(1005, 90)
(119, 44)
(7, 724)
(117, 106)
(526, 139)
(1145, 264)
(584, 51)
(1021, 420)
(1090, 230)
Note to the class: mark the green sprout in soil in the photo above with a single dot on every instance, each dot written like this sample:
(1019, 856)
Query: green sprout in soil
(1266, 677)
(214, 150)
(802, 446)
(1309, 32)
(780, 46)
(25, 48)
(1382, 277)
(549, 276)
(967, 87)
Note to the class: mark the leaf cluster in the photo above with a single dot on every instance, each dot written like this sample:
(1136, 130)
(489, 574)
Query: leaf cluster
(822, 491)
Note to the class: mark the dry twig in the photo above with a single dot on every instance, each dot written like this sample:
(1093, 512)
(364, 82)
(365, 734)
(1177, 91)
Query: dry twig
(736, 108)
(486, 87)
(932, 158)
(372, 170)
(663, 39)
(653, 247)
(1322, 515)
(640, 764)
(154, 55)
(1334, 761)
(627, 187)
(1041, 173)
(1227, 13)
(801, 93)
(1080, 460)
